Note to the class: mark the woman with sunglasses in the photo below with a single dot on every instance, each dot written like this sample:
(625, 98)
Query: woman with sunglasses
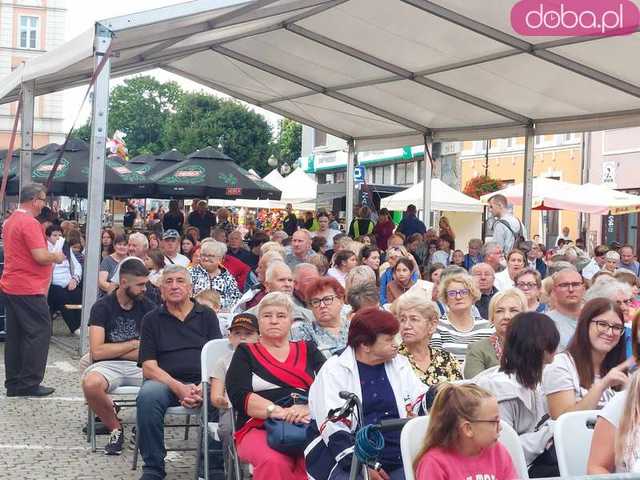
(458, 327)
(584, 376)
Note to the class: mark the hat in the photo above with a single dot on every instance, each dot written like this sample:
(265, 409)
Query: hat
(245, 320)
(171, 233)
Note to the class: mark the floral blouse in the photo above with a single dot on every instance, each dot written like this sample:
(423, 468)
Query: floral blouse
(223, 283)
(443, 368)
(327, 343)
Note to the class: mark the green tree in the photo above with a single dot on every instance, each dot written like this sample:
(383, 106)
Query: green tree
(288, 144)
(203, 120)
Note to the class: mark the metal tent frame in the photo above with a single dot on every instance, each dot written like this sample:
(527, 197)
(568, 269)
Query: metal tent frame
(376, 73)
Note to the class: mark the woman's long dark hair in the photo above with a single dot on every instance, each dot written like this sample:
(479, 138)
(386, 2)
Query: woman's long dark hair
(580, 347)
(528, 338)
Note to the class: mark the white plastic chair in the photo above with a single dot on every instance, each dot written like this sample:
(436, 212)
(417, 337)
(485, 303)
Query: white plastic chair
(128, 392)
(572, 434)
(511, 441)
(211, 353)
(412, 438)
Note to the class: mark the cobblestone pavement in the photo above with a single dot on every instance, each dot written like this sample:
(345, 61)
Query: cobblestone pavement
(43, 439)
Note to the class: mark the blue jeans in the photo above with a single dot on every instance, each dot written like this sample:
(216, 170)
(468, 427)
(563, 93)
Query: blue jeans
(151, 405)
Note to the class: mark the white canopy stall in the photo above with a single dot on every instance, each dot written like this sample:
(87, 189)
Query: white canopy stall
(463, 212)
(377, 73)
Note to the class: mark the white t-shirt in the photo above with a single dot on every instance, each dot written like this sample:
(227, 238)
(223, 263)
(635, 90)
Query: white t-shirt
(561, 376)
(503, 281)
(179, 259)
(612, 413)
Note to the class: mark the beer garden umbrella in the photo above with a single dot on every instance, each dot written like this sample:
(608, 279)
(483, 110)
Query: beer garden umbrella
(149, 165)
(72, 175)
(208, 173)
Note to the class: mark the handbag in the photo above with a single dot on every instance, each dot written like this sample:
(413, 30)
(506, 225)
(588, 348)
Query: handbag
(285, 437)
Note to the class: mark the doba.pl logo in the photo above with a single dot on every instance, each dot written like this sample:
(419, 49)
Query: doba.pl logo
(575, 17)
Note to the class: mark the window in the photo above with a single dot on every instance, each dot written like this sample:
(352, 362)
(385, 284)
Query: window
(382, 175)
(340, 177)
(319, 138)
(404, 173)
(29, 32)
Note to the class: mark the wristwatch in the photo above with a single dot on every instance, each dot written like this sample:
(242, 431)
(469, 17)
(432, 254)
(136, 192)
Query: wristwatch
(270, 409)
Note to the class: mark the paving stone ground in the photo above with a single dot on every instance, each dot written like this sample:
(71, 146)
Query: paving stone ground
(43, 439)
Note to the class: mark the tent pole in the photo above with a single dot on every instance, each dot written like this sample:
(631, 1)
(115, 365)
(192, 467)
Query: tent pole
(527, 184)
(95, 201)
(28, 107)
(351, 166)
(426, 183)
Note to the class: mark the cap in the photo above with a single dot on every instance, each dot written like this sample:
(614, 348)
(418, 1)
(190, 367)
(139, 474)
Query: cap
(245, 320)
(171, 233)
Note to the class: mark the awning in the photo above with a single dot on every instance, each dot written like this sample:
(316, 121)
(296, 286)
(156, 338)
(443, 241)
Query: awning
(382, 72)
(443, 198)
(551, 194)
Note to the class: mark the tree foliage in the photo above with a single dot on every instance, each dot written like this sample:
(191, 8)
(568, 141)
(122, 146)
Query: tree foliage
(288, 144)
(203, 120)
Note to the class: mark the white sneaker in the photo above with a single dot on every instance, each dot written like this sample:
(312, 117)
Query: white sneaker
(77, 332)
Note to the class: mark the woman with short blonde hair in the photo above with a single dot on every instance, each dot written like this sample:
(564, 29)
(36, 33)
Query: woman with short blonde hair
(458, 327)
(486, 353)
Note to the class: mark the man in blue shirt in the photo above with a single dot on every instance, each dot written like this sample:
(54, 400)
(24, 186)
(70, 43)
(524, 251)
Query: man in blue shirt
(410, 223)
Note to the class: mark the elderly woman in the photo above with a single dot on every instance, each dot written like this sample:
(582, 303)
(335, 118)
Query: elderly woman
(516, 261)
(458, 327)
(259, 377)
(371, 368)
(530, 282)
(486, 353)
(211, 275)
(418, 318)
(325, 297)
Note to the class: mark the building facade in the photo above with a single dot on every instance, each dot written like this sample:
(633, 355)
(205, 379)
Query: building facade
(556, 156)
(29, 28)
(614, 159)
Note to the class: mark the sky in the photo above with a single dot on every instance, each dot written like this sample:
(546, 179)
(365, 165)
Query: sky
(82, 14)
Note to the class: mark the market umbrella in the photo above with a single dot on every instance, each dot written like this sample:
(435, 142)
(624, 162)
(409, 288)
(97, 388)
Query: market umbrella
(38, 155)
(72, 176)
(149, 165)
(208, 173)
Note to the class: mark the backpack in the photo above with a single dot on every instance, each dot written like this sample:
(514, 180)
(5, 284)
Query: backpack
(518, 238)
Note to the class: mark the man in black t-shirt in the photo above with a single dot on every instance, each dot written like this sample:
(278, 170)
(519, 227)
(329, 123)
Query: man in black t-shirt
(114, 333)
(202, 219)
(129, 217)
(172, 338)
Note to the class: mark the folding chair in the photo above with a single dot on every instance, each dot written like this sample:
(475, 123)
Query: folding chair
(572, 434)
(183, 412)
(211, 353)
(127, 392)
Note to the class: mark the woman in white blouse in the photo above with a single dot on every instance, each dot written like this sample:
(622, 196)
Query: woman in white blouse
(584, 376)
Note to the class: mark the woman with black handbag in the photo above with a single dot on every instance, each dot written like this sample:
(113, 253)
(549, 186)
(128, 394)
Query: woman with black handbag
(268, 384)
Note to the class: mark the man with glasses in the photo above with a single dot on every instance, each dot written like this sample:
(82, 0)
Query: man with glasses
(567, 293)
(484, 276)
(24, 285)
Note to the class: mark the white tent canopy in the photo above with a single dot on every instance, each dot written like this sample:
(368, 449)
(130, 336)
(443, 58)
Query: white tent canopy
(443, 198)
(554, 194)
(299, 187)
(274, 178)
(382, 72)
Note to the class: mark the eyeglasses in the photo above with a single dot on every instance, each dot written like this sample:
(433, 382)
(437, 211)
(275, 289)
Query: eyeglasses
(604, 327)
(326, 301)
(569, 285)
(458, 293)
(496, 423)
(627, 301)
(526, 285)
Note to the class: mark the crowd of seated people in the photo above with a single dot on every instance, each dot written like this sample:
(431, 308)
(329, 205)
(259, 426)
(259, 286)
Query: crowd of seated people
(524, 338)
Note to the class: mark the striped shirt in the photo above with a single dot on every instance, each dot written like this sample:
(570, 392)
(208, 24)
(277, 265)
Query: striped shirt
(454, 341)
